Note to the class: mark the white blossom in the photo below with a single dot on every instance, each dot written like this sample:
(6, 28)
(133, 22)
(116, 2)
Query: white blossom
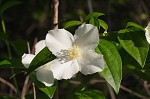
(147, 33)
(74, 53)
(43, 73)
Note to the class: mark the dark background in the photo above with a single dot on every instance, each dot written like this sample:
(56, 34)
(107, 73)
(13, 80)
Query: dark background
(31, 20)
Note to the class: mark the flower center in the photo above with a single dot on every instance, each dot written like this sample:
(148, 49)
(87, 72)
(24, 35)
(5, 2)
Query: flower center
(74, 52)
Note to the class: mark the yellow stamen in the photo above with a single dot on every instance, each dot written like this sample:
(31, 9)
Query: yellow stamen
(74, 52)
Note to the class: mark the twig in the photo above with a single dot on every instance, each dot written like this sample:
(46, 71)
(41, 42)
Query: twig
(112, 94)
(29, 50)
(55, 26)
(90, 7)
(28, 86)
(33, 48)
(55, 17)
(94, 81)
(34, 92)
(8, 84)
(146, 87)
(134, 93)
(24, 90)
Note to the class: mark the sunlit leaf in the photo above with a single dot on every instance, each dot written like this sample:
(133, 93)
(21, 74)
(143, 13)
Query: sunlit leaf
(94, 14)
(4, 64)
(72, 23)
(103, 24)
(113, 71)
(134, 42)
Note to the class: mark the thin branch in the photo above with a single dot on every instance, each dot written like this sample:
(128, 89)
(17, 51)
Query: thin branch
(29, 50)
(8, 84)
(112, 94)
(134, 93)
(146, 87)
(34, 92)
(55, 17)
(55, 26)
(90, 6)
(24, 90)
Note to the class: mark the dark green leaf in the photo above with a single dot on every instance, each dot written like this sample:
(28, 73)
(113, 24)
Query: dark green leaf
(8, 5)
(94, 14)
(20, 46)
(131, 24)
(17, 63)
(143, 73)
(113, 71)
(103, 24)
(11, 63)
(89, 94)
(134, 42)
(6, 97)
(72, 23)
(94, 21)
(3, 36)
(43, 57)
(49, 91)
(36, 82)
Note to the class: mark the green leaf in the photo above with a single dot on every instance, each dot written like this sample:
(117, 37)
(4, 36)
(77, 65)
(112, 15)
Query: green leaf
(132, 24)
(36, 82)
(134, 42)
(3, 36)
(72, 23)
(4, 64)
(103, 24)
(20, 46)
(6, 97)
(94, 14)
(49, 91)
(11, 63)
(143, 73)
(8, 5)
(89, 94)
(94, 21)
(113, 71)
(43, 57)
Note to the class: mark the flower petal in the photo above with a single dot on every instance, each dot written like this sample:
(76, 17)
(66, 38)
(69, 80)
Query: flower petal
(147, 33)
(91, 62)
(39, 46)
(26, 59)
(86, 37)
(57, 40)
(45, 76)
(64, 70)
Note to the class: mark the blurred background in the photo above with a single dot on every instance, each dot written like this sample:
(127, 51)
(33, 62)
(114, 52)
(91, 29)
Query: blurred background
(30, 21)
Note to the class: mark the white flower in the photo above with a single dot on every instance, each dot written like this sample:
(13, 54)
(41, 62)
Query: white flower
(43, 73)
(147, 33)
(74, 53)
